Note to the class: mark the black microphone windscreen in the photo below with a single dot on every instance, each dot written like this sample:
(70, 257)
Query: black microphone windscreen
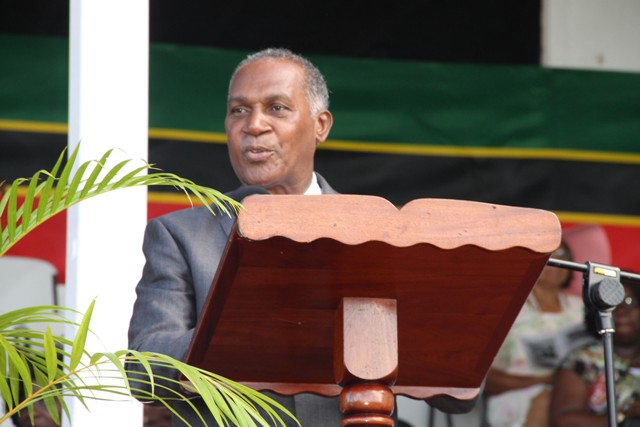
(246, 190)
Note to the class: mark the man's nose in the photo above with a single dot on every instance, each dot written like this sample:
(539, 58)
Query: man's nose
(256, 122)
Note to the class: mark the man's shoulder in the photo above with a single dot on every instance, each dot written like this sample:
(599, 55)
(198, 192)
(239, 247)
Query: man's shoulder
(196, 219)
(324, 185)
(189, 213)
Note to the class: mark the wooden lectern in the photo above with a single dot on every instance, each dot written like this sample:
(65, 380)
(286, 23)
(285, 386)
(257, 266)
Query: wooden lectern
(349, 295)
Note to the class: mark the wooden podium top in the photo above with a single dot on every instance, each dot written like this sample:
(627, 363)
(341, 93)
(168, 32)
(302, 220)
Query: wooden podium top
(460, 272)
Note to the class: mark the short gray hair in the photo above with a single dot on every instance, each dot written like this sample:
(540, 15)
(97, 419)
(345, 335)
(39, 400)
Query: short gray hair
(315, 88)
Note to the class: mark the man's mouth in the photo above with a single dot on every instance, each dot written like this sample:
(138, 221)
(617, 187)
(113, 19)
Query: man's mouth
(257, 154)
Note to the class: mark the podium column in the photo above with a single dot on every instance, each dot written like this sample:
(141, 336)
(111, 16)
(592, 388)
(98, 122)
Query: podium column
(366, 360)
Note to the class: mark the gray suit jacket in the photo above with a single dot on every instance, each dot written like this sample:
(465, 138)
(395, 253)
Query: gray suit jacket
(182, 251)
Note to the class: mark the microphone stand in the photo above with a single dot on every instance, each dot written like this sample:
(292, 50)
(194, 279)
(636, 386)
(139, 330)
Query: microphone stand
(602, 292)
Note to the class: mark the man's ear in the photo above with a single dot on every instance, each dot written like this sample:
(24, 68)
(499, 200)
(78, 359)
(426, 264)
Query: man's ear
(324, 121)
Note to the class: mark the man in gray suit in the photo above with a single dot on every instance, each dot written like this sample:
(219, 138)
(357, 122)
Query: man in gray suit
(277, 114)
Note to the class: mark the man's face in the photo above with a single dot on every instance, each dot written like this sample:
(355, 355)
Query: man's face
(271, 134)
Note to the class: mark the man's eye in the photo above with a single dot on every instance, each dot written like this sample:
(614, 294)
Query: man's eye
(237, 110)
(278, 107)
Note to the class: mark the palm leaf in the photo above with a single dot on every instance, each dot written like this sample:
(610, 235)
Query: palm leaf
(92, 376)
(12, 215)
(47, 187)
(81, 338)
(28, 202)
(61, 367)
(51, 354)
(63, 179)
(65, 188)
(95, 174)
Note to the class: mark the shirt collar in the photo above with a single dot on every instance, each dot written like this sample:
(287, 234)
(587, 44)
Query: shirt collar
(314, 188)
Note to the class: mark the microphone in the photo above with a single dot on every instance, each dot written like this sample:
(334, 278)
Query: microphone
(606, 294)
(246, 190)
(602, 290)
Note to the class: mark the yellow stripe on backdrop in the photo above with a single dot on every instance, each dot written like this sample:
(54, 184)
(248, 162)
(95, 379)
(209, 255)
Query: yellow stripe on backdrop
(368, 147)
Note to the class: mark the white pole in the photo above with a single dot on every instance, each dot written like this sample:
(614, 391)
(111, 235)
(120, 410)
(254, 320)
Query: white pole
(108, 108)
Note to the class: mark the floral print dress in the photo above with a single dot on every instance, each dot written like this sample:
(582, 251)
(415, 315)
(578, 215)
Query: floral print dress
(588, 363)
(535, 345)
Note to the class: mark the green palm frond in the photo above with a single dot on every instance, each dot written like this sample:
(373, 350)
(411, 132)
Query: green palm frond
(44, 367)
(50, 368)
(51, 192)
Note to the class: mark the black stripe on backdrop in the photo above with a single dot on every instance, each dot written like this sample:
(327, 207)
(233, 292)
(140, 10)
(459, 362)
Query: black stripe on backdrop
(566, 186)
(24, 153)
(584, 187)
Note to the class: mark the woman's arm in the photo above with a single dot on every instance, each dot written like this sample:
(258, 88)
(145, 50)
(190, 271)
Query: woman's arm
(569, 405)
(499, 381)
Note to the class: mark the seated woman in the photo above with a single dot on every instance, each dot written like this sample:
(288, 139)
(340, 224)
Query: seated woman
(579, 387)
(41, 416)
(518, 382)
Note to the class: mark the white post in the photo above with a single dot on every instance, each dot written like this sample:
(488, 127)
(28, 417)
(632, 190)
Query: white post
(108, 108)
